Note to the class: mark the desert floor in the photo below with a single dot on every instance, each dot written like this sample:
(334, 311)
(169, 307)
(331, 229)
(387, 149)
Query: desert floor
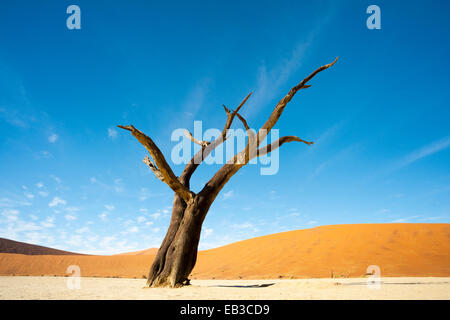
(110, 288)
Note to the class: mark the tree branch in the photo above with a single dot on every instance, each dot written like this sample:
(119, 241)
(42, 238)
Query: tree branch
(216, 183)
(204, 152)
(279, 108)
(278, 143)
(153, 167)
(244, 122)
(199, 142)
(161, 168)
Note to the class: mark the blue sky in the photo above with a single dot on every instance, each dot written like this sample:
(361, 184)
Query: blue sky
(380, 117)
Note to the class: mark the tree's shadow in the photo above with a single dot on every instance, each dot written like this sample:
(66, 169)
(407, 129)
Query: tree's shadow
(264, 285)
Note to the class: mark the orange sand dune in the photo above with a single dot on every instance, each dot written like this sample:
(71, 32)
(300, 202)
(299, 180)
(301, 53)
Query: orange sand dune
(338, 251)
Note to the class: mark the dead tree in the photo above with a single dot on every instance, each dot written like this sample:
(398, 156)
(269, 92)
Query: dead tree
(178, 252)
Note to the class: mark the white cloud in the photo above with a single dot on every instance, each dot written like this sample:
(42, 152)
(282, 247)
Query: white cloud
(43, 193)
(12, 218)
(421, 153)
(155, 215)
(93, 238)
(44, 154)
(207, 232)
(433, 218)
(70, 217)
(39, 185)
(118, 185)
(48, 223)
(144, 194)
(270, 82)
(243, 225)
(112, 133)
(273, 195)
(72, 209)
(82, 230)
(133, 229)
(228, 194)
(194, 101)
(57, 201)
(92, 180)
(39, 238)
(109, 207)
(10, 212)
(141, 219)
(103, 216)
(75, 240)
(52, 138)
(10, 203)
(106, 241)
(29, 195)
(57, 179)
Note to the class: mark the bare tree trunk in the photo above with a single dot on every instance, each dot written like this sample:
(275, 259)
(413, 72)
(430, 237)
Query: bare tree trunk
(178, 253)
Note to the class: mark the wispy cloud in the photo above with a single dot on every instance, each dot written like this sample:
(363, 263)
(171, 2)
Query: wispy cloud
(57, 201)
(425, 151)
(328, 135)
(10, 212)
(419, 154)
(13, 118)
(11, 203)
(29, 195)
(82, 230)
(103, 216)
(109, 207)
(405, 219)
(48, 222)
(269, 82)
(70, 217)
(196, 99)
(336, 157)
(228, 194)
(207, 232)
(155, 215)
(112, 133)
(52, 138)
(133, 229)
(57, 179)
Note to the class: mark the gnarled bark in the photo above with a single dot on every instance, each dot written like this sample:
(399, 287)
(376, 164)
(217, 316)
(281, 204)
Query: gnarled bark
(177, 255)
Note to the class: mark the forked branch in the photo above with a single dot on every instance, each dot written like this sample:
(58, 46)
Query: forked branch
(189, 135)
(278, 110)
(216, 183)
(162, 168)
(204, 152)
(153, 167)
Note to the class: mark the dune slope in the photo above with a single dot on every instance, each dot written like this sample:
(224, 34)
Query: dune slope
(11, 246)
